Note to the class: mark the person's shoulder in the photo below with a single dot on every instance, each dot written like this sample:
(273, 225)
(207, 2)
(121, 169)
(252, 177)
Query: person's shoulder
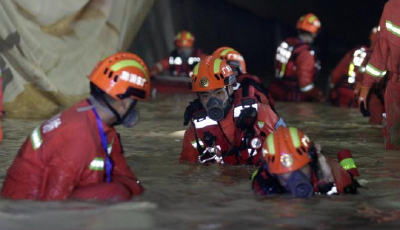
(73, 121)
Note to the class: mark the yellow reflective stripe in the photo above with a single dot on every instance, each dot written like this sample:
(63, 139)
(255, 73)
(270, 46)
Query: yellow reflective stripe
(36, 138)
(351, 70)
(223, 53)
(188, 35)
(295, 137)
(271, 144)
(348, 163)
(283, 70)
(196, 69)
(307, 88)
(217, 65)
(129, 63)
(375, 72)
(391, 27)
(312, 19)
(254, 175)
(179, 35)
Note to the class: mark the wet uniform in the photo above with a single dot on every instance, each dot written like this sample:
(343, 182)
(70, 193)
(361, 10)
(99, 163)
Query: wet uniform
(228, 136)
(386, 56)
(296, 67)
(65, 155)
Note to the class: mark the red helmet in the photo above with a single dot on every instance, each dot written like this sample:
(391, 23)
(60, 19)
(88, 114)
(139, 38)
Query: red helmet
(232, 57)
(211, 73)
(184, 39)
(309, 23)
(122, 75)
(286, 150)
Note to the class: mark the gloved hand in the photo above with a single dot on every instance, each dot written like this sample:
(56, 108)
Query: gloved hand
(192, 108)
(362, 97)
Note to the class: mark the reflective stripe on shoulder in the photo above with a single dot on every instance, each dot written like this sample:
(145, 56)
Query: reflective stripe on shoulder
(36, 138)
(237, 110)
(204, 123)
(307, 88)
(393, 28)
(375, 72)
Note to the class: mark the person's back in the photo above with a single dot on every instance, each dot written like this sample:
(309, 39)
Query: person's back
(46, 146)
(78, 154)
(296, 65)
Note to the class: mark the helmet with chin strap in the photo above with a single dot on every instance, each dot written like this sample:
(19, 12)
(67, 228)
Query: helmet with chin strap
(122, 75)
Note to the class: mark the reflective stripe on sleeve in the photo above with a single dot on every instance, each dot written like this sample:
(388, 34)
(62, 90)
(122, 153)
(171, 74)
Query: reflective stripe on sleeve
(348, 164)
(393, 28)
(307, 88)
(97, 164)
(375, 72)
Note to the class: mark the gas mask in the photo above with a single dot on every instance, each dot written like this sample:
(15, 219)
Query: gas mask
(217, 109)
(298, 184)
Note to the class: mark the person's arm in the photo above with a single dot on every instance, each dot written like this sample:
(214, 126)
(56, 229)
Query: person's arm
(189, 151)
(268, 121)
(160, 66)
(63, 171)
(121, 171)
(341, 69)
(305, 72)
(376, 66)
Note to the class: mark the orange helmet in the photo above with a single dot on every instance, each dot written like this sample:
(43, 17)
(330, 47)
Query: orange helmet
(232, 57)
(309, 23)
(184, 39)
(122, 75)
(286, 150)
(374, 34)
(211, 73)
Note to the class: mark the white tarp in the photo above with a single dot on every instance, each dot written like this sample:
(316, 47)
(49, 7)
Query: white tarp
(48, 48)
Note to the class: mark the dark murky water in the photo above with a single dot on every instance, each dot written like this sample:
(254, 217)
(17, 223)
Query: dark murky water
(180, 196)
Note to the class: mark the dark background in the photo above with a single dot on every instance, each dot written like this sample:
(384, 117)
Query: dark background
(256, 27)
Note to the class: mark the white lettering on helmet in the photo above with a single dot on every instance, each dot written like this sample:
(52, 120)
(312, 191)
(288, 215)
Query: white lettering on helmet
(227, 68)
(132, 78)
(235, 57)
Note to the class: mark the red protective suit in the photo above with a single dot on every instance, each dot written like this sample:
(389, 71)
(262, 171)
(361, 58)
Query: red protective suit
(386, 56)
(175, 65)
(64, 158)
(261, 92)
(1, 105)
(347, 73)
(227, 136)
(296, 67)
